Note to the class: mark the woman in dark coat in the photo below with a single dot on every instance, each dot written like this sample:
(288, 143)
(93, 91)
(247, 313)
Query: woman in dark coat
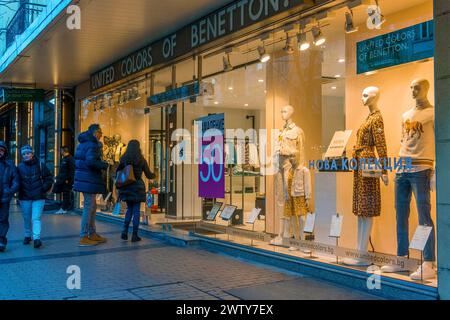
(134, 194)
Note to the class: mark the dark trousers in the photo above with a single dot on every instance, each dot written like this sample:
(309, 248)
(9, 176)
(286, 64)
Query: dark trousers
(67, 200)
(133, 212)
(4, 222)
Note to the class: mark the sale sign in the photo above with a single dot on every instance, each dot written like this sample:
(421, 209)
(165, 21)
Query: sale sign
(211, 173)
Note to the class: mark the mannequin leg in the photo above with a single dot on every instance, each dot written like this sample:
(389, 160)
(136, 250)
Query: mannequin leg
(278, 241)
(295, 223)
(364, 231)
(365, 225)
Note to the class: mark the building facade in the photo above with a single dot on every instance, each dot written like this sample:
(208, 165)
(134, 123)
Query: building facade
(256, 116)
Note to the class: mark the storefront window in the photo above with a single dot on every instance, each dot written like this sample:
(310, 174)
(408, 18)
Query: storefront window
(351, 89)
(299, 109)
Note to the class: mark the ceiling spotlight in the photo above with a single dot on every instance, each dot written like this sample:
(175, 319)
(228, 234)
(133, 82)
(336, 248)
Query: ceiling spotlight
(263, 55)
(334, 88)
(342, 60)
(289, 47)
(227, 66)
(216, 102)
(319, 38)
(246, 105)
(377, 19)
(349, 24)
(230, 88)
(303, 43)
(337, 76)
(261, 80)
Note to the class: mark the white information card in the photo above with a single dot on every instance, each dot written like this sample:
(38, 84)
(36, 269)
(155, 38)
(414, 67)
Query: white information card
(310, 222)
(253, 216)
(420, 238)
(336, 226)
(338, 144)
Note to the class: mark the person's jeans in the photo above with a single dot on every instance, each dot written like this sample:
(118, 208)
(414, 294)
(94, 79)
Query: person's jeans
(133, 212)
(4, 222)
(32, 213)
(88, 216)
(419, 184)
(67, 200)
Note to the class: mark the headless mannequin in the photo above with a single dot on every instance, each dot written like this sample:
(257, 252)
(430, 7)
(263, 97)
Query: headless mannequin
(291, 159)
(370, 98)
(419, 91)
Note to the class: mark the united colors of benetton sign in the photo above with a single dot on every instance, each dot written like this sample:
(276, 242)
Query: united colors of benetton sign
(402, 46)
(230, 19)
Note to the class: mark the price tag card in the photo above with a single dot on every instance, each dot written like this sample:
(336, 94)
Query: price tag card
(214, 211)
(227, 212)
(338, 144)
(309, 224)
(336, 226)
(253, 216)
(420, 238)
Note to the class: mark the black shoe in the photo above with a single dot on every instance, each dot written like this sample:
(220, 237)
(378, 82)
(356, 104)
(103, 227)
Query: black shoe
(135, 237)
(124, 236)
(27, 241)
(37, 244)
(2, 248)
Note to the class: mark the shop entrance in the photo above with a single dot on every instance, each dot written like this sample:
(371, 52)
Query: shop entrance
(163, 122)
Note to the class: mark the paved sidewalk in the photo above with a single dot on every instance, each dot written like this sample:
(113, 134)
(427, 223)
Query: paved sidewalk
(126, 271)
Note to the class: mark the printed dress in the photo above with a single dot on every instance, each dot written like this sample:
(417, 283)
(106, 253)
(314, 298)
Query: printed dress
(366, 191)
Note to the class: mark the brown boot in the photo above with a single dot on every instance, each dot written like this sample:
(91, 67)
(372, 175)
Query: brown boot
(96, 237)
(86, 242)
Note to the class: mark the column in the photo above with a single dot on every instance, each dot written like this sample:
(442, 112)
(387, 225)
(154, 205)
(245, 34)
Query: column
(442, 74)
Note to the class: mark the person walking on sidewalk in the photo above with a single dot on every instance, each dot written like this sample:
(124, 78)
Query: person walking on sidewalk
(9, 185)
(135, 193)
(35, 182)
(89, 181)
(65, 180)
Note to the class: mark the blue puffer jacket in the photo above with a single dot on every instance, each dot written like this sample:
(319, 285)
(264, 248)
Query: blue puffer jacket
(89, 165)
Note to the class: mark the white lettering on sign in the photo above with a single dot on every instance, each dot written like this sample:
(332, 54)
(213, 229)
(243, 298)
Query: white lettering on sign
(216, 25)
(169, 46)
(137, 62)
(103, 78)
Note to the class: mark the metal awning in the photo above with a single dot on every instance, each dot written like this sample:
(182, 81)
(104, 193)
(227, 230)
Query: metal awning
(110, 29)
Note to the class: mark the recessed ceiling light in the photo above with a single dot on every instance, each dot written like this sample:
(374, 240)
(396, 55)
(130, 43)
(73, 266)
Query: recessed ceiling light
(246, 105)
(371, 73)
(216, 102)
(334, 88)
(337, 76)
(341, 60)
(260, 80)
(230, 88)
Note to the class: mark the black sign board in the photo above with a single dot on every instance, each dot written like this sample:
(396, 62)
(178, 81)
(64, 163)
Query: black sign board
(21, 95)
(232, 18)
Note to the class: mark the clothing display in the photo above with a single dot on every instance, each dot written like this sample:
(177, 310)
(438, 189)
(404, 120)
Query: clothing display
(405, 185)
(418, 139)
(301, 183)
(291, 142)
(366, 191)
(247, 156)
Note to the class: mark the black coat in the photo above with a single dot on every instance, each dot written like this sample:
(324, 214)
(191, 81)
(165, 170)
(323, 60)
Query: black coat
(9, 180)
(135, 192)
(89, 165)
(35, 180)
(65, 178)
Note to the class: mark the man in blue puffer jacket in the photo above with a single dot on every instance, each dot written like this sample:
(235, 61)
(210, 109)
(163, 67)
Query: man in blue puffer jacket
(89, 181)
(9, 185)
